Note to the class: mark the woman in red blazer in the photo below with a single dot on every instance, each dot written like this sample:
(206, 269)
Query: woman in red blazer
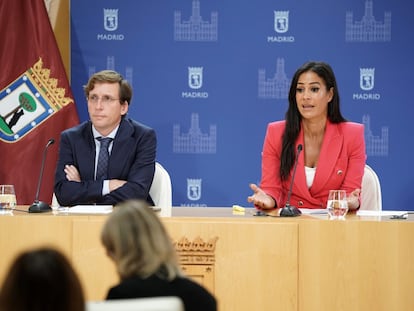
(333, 155)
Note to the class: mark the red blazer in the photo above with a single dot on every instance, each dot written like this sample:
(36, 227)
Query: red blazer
(340, 166)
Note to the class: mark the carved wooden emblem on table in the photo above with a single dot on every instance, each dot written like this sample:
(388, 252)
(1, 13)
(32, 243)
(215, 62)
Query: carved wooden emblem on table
(197, 259)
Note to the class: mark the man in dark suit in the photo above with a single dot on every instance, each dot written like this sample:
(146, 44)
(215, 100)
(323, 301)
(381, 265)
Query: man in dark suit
(130, 155)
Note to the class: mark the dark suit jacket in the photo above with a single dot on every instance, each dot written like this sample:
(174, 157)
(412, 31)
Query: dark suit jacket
(194, 296)
(132, 159)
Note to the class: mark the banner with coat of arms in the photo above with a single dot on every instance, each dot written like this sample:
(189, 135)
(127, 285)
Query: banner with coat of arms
(36, 102)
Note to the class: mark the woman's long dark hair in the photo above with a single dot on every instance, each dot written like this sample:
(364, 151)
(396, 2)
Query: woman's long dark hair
(293, 117)
(42, 279)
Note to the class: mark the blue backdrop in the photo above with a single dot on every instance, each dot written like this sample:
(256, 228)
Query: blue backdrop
(209, 75)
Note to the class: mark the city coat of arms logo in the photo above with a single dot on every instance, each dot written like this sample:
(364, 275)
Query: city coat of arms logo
(28, 101)
(366, 78)
(111, 19)
(195, 77)
(194, 189)
(281, 21)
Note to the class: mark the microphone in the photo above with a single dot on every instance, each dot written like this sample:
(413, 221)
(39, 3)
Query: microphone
(288, 210)
(38, 206)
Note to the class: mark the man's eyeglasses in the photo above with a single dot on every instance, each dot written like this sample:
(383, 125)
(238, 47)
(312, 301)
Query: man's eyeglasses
(94, 99)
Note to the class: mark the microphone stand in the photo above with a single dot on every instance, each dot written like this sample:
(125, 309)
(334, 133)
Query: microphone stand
(289, 210)
(38, 206)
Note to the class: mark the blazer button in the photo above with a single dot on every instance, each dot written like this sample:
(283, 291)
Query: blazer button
(339, 172)
(300, 203)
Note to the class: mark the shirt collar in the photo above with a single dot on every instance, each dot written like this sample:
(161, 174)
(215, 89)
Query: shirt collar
(110, 135)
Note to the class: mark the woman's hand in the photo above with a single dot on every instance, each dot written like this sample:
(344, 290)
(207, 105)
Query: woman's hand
(260, 199)
(353, 199)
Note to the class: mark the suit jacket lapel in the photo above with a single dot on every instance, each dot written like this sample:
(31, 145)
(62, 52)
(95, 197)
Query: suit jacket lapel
(328, 157)
(88, 156)
(120, 148)
(300, 186)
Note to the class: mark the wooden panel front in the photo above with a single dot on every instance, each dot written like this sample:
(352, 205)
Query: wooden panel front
(19, 234)
(255, 262)
(250, 268)
(356, 265)
(303, 263)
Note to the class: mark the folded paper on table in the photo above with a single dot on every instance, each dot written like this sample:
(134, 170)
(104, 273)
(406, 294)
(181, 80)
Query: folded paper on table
(314, 211)
(238, 210)
(87, 209)
(380, 213)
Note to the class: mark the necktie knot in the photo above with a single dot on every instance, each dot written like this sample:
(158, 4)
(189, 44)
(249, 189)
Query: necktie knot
(105, 141)
(103, 158)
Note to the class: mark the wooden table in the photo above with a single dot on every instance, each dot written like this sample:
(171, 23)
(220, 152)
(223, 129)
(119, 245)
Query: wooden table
(258, 263)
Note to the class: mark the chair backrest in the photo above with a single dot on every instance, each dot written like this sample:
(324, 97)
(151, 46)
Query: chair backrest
(161, 190)
(371, 198)
(137, 304)
(55, 203)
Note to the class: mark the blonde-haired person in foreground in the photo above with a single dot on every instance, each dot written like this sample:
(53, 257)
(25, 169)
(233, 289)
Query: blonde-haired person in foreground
(145, 258)
(41, 279)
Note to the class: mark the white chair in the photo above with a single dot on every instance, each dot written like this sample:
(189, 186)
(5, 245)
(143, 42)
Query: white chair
(137, 304)
(55, 203)
(161, 190)
(371, 198)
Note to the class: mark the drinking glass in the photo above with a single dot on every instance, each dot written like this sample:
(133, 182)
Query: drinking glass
(7, 198)
(337, 204)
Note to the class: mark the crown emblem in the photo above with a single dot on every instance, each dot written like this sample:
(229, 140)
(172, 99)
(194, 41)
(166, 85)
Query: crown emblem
(48, 86)
(197, 251)
(367, 71)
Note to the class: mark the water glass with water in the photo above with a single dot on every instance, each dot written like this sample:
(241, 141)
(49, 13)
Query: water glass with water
(337, 204)
(7, 198)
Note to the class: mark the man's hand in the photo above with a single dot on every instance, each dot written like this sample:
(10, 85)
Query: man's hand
(72, 173)
(115, 184)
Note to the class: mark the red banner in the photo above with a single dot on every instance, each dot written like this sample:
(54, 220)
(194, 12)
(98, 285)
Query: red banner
(36, 103)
